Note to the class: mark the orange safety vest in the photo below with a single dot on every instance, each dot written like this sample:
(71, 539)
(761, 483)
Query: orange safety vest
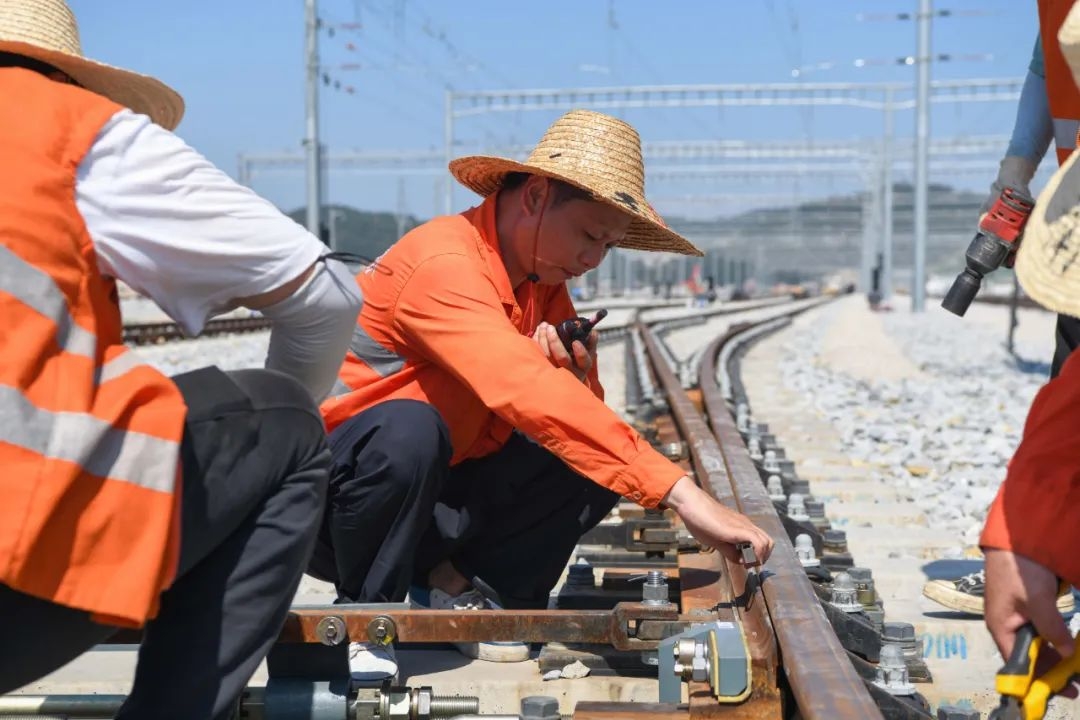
(89, 434)
(1061, 89)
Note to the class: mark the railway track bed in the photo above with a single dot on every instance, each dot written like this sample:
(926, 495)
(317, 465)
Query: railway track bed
(645, 624)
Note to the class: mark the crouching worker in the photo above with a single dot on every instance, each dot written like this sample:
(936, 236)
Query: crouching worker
(186, 506)
(470, 450)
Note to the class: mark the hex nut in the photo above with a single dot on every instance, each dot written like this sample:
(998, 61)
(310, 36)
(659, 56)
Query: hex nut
(539, 707)
(901, 632)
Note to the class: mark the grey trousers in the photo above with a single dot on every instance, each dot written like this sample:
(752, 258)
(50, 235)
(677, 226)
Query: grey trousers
(255, 466)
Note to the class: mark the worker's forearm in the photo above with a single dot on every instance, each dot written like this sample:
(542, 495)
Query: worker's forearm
(1033, 129)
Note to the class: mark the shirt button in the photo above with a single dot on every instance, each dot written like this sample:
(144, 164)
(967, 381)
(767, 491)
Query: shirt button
(635, 495)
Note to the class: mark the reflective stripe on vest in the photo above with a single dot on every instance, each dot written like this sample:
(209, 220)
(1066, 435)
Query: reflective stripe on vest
(365, 348)
(76, 437)
(38, 290)
(86, 441)
(1065, 137)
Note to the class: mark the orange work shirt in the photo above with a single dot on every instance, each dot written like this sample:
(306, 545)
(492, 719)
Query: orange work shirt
(441, 324)
(1037, 509)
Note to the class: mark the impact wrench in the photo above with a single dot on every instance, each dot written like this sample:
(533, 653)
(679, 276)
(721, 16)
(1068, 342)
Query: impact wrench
(994, 245)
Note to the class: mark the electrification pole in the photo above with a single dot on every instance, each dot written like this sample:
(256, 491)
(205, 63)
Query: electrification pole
(922, 135)
(887, 201)
(311, 136)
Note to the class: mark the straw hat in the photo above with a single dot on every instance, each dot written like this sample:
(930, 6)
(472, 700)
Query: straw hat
(592, 151)
(1048, 262)
(45, 30)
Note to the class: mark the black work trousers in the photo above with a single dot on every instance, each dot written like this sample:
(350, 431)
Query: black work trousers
(396, 509)
(255, 466)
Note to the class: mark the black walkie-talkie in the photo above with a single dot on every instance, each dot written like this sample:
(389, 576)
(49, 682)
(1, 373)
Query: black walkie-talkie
(578, 328)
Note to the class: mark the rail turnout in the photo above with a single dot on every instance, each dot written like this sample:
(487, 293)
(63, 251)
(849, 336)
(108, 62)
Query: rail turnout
(800, 637)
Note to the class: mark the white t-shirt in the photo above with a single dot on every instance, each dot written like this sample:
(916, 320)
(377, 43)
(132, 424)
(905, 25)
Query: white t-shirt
(175, 228)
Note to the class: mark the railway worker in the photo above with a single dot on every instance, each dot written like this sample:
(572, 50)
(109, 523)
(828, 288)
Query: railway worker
(1033, 526)
(471, 450)
(184, 506)
(1049, 109)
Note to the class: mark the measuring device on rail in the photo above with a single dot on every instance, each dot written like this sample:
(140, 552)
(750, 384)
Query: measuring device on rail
(1024, 696)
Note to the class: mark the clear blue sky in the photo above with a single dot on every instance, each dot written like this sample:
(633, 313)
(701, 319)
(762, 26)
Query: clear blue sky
(240, 66)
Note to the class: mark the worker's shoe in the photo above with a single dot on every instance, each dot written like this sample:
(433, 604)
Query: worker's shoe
(965, 594)
(368, 661)
(436, 599)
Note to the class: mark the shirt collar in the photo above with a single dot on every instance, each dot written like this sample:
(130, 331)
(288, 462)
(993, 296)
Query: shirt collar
(483, 219)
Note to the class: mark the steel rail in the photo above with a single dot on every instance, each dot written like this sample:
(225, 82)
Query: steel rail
(822, 679)
(711, 474)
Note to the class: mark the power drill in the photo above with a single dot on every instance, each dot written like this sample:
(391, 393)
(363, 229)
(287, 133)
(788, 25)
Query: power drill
(578, 328)
(994, 245)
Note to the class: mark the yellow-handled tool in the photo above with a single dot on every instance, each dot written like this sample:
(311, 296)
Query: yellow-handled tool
(1023, 695)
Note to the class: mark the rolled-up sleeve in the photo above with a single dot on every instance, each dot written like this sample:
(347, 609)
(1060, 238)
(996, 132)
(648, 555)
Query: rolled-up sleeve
(452, 315)
(177, 229)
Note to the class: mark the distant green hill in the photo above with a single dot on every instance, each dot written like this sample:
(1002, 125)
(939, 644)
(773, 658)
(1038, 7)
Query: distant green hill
(359, 231)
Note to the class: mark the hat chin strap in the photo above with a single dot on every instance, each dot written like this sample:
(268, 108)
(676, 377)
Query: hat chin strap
(533, 277)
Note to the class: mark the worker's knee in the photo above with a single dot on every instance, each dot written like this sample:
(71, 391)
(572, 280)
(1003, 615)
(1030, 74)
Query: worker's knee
(396, 448)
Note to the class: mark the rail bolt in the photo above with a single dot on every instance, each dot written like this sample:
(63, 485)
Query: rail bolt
(795, 508)
(769, 462)
(753, 445)
(381, 630)
(692, 660)
(892, 673)
(655, 589)
(804, 550)
(331, 630)
(775, 487)
(844, 595)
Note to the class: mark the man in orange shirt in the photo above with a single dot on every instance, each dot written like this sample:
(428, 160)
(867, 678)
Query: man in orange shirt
(1033, 527)
(471, 450)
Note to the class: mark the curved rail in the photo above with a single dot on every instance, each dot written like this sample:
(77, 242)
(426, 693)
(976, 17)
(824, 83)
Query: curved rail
(788, 632)
(821, 676)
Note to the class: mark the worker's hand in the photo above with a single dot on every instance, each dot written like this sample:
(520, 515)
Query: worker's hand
(1015, 172)
(1019, 590)
(547, 338)
(715, 525)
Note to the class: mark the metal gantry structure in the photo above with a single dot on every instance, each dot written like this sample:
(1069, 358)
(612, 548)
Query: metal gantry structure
(886, 98)
(710, 162)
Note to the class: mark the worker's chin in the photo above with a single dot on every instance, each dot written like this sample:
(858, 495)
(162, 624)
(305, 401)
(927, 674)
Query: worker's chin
(553, 276)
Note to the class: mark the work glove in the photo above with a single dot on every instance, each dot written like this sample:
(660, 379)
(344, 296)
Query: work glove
(1015, 172)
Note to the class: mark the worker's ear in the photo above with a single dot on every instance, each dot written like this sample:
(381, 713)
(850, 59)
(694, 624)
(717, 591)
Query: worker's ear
(535, 194)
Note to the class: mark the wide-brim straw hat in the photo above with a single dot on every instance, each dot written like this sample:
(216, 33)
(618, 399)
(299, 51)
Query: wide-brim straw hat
(592, 151)
(45, 30)
(1048, 262)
